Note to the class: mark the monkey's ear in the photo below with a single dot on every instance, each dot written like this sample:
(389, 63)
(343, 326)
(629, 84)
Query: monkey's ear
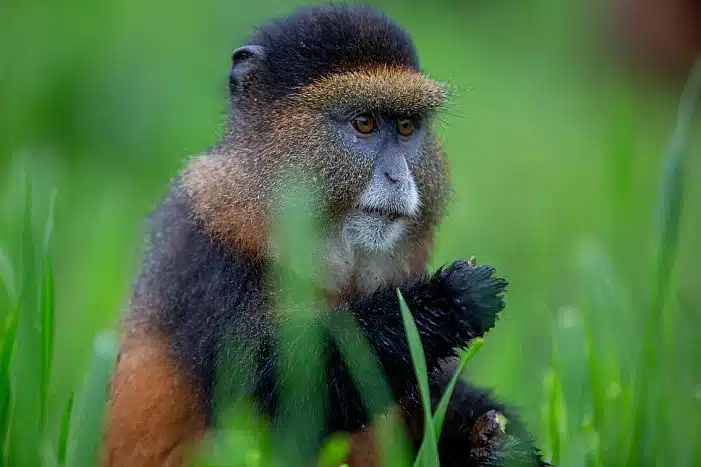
(242, 61)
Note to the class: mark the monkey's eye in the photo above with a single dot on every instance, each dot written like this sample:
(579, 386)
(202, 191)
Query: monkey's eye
(405, 126)
(364, 123)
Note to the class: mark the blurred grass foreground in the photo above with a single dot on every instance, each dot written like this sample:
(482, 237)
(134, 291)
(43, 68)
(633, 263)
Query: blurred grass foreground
(574, 178)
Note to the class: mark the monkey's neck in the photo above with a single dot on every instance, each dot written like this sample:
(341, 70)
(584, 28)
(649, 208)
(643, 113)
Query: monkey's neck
(356, 271)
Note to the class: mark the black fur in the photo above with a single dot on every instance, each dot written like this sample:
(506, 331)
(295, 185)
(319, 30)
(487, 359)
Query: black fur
(321, 40)
(213, 304)
(466, 405)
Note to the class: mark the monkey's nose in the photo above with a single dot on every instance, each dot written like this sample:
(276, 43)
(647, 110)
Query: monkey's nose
(391, 177)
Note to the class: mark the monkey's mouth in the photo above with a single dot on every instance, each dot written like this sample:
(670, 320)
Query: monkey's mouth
(387, 213)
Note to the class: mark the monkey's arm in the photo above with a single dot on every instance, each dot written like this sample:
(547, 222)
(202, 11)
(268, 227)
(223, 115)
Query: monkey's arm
(449, 308)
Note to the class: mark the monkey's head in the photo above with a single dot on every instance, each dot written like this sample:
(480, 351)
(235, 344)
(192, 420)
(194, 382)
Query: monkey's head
(337, 93)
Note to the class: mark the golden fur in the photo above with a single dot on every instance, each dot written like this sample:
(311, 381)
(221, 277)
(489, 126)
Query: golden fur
(400, 89)
(155, 413)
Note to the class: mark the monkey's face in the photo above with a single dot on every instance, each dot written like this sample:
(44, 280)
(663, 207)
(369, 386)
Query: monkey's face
(369, 146)
(388, 149)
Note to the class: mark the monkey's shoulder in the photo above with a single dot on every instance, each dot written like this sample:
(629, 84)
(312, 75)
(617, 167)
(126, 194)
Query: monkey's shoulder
(191, 286)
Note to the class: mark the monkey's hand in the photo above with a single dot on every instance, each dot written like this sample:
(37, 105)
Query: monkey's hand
(456, 304)
(474, 295)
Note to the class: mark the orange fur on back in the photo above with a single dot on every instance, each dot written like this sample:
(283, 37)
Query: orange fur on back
(155, 414)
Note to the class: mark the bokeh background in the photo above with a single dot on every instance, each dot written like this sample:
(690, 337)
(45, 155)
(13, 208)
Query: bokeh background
(556, 134)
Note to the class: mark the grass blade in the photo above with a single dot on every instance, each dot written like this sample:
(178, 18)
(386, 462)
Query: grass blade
(334, 451)
(373, 387)
(429, 444)
(7, 345)
(47, 330)
(47, 311)
(64, 431)
(87, 424)
(555, 414)
(6, 348)
(7, 275)
(299, 335)
(439, 415)
(669, 221)
(442, 408)
(24, 436)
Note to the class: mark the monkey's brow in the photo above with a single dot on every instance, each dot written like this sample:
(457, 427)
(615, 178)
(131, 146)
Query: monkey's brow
(397, 91)
(342, 108)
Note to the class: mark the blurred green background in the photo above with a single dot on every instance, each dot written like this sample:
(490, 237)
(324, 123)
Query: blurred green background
(556, 153)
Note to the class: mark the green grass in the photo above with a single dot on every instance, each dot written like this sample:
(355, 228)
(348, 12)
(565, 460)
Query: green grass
(27, 358)
(565, 178)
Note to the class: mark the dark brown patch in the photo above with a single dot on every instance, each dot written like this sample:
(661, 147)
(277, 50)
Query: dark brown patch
(155, 413)
(364, 450)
